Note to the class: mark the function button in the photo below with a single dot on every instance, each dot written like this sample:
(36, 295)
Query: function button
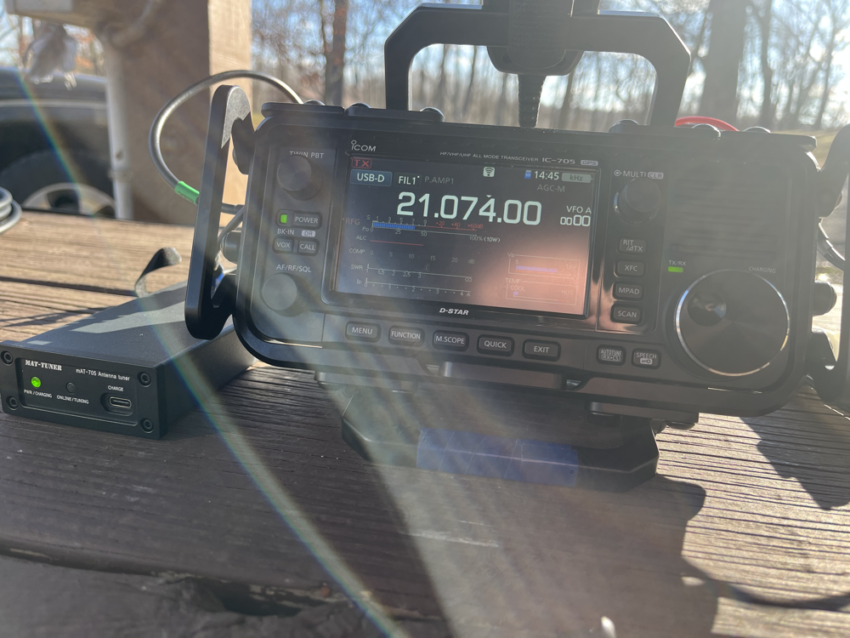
(631, 268)
(362, 331)
(623, 290)
(451, 340)
(633, 246)
(626, 314)
(545, 350)
(306, 220)
(611, 355)
(488, 344)
(284, 217)
(308, 247)
(406, 336)
(646, 358)
(284, 245)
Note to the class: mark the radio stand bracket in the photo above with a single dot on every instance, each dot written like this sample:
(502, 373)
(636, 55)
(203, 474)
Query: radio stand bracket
(528, 438)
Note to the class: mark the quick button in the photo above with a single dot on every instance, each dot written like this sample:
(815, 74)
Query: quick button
(488, 344)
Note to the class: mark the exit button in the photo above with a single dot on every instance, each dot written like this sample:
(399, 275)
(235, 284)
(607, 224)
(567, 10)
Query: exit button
(543, 350)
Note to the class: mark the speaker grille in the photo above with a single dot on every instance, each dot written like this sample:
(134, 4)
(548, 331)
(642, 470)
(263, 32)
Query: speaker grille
(728, 211)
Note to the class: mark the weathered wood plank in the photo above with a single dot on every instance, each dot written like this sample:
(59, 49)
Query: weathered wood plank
(744, 532)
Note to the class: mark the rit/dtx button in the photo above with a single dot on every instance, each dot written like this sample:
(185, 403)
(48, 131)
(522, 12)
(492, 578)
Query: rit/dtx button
(646, 358)
(633, 246)
(611, 355)
(544, 350)
(631, 269)
(451, 340)
(626, 314)
(406, 336)
(362, 331)
(488, 344)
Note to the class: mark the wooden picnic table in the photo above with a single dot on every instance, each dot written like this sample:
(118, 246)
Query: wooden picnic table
(253, 517)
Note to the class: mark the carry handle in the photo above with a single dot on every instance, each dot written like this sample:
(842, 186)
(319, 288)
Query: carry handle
(648, 36)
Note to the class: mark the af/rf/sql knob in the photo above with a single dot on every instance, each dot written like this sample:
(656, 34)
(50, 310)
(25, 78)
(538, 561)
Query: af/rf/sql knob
(732, 323)
(299, 177)
(639, 201)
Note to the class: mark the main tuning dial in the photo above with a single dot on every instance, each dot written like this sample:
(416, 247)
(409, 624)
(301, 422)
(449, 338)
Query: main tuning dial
(732, 323)
(299, 177)
(639, 201)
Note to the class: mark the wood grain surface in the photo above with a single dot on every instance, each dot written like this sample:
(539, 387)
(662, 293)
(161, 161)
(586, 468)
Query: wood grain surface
(257, 501)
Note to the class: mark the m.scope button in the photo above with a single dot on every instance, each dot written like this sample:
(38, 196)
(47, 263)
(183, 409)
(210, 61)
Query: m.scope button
(488, 344)
(362, 331)
(406, 336)
(306, 220)
(626, 314)
(631, 269)
(544, 350)
(451, 340)
(624, 290)
(611, 355)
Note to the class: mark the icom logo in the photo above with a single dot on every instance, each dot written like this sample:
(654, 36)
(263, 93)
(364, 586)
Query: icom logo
(454, 311)
(362, 148)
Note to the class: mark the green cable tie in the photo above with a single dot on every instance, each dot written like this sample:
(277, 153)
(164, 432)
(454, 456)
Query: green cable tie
(187, 192)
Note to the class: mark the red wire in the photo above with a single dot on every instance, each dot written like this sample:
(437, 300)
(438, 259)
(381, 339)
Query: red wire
(693, 120)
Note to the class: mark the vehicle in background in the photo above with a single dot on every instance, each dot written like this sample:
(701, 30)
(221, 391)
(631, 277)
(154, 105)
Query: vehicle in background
(54, 144)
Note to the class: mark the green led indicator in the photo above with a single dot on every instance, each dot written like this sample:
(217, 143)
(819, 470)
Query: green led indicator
(36, 382)
(284, 219)
(675, 269)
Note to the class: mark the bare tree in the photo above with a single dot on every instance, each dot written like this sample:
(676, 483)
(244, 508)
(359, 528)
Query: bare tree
(725, 54)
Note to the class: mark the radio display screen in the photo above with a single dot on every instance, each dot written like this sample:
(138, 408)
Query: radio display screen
(505, 237)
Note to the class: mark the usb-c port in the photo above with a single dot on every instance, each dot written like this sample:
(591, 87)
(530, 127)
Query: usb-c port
(119, 405)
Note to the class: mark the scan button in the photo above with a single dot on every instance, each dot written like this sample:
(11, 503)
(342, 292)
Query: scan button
(406, 336)
(362, 331)
(611, 355)
(545, 350)
(451, 340)
(488, 344)
(626, 314)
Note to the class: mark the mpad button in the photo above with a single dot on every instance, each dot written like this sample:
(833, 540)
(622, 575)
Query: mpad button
(406, 336)
(488, 344)
(611, 355)
(451, 340)
(631, 269)
(624, 290)
(545, 350)
(362, 331)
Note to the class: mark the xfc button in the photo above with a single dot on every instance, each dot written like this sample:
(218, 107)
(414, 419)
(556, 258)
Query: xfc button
(630, 269)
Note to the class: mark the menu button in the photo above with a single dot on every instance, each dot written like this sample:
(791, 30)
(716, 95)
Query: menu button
(362, 331)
